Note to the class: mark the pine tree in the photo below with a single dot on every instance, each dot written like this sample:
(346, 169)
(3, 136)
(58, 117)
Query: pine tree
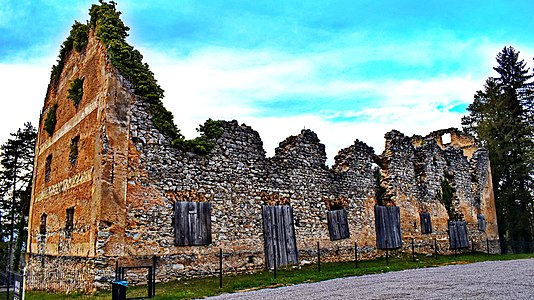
(500, 116)
(16, 174)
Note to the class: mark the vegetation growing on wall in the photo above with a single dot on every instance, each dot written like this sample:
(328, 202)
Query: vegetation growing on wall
(75, 91)
(73, 153)
(209, 133)
(76, 40)
(50, 120)
(446, 196)
(112, 32)
(380, 190)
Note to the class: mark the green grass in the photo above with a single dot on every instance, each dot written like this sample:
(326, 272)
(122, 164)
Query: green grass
(203, 287)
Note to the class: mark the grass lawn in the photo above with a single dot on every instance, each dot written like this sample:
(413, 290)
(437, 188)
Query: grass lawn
(202, 287)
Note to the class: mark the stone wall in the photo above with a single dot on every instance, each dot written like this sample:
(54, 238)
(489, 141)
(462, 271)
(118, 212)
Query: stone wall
(128, 177)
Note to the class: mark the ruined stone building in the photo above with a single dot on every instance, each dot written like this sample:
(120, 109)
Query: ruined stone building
(109, 187)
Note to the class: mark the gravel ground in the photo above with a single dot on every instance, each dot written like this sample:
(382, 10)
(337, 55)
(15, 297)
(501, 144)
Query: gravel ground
(485, 280)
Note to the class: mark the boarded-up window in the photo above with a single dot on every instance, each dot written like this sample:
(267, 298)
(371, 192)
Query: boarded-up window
(192, 222)
(338, 226)
(279, 235)
(42, 227)
(388, 230)
(69, 222)
(426, 223)
(458, 234)
(481, 223)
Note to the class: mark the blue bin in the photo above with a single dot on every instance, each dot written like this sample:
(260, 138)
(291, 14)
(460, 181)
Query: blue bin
(118, 289)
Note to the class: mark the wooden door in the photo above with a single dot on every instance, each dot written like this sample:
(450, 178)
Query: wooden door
(279, 235)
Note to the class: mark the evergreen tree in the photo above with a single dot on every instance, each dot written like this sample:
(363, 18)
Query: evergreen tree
(16, 157)
(501, 117)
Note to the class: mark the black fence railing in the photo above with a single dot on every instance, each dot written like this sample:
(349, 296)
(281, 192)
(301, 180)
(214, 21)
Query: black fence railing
(11, 286)
(144, 273)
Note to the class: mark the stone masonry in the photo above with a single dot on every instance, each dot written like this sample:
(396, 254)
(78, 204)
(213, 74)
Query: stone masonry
(127, 176)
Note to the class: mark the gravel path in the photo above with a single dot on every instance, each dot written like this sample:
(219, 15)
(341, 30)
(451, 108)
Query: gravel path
(486, 280)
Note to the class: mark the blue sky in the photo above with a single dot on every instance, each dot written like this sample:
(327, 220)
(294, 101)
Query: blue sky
(345, 69)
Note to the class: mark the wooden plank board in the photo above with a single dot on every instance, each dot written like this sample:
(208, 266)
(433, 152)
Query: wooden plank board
(279, 235)
(426, 223)
(290, 239)
(481, 222)
(394, 216)
(192, 223)
(462, 234)
(387, 224)
(337, 224)
(268, 236)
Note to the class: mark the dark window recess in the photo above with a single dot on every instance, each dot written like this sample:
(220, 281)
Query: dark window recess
(481, 222)
(69, 222)
(388, 230)
(73, 154)
(192, 223)
(426, 223)
(279, 235)
(42, 227)
(458, 234)
(338, 226)
(48, 167)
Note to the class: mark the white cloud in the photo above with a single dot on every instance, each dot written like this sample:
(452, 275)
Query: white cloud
(23, 91)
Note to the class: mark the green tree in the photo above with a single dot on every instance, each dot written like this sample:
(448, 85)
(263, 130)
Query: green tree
(16, 157)
(500, 116)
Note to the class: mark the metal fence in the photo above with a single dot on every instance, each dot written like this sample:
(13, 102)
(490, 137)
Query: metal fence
(11, 286)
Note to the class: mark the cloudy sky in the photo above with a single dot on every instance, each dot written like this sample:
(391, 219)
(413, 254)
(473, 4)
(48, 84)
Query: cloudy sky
(348, 70)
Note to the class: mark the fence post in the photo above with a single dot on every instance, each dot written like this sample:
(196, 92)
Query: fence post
(117, 269)
(318, 258)
(8, 282)
(413, 251)
(356, 253)
(472, 247)
(387, 253)
(154, 260)
(435, 248)
(220, 268)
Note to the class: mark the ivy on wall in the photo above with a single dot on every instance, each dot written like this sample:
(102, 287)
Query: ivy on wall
(446, 196)
(111, 31)
(77, 40)
(75, 91)
(50, 120)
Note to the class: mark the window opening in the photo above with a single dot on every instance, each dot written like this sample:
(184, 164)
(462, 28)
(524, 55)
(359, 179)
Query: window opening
(69, 222)
(73, 154)
(42, 227)
(48, 168)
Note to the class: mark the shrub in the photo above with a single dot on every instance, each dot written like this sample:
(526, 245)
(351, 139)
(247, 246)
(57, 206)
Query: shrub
(50, 120)
(77, 40)
(75, 91)
(210, 131)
